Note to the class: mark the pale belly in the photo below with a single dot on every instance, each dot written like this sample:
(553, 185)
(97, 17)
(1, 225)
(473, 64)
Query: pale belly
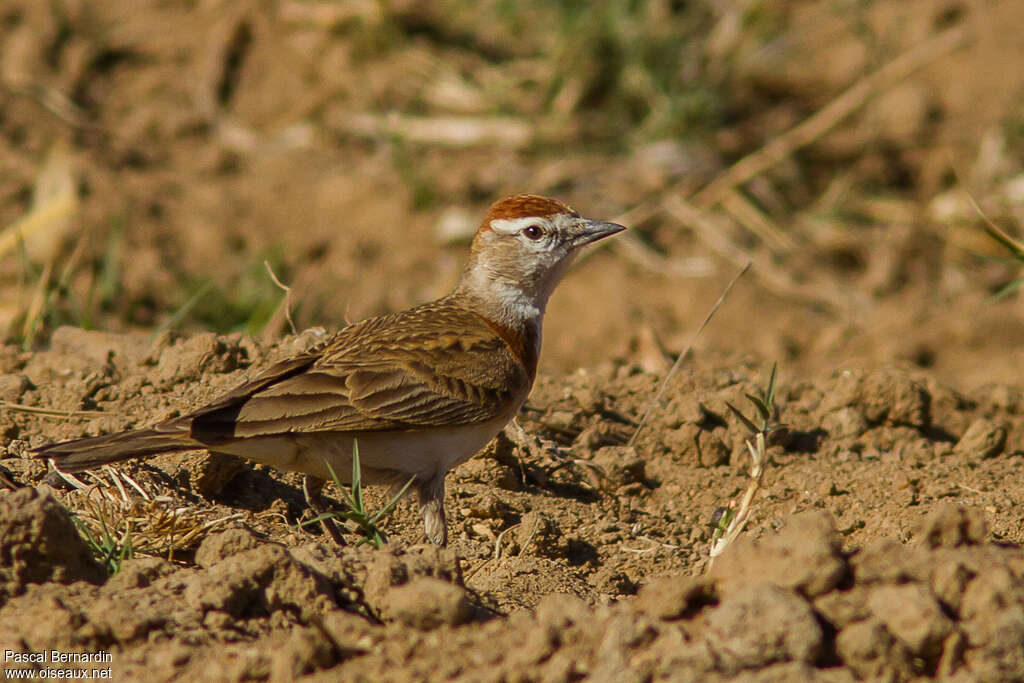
(384, 456)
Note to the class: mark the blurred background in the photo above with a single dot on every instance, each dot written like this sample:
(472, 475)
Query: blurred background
(159, 159)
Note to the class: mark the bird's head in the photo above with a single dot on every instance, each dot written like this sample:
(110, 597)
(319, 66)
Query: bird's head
(522, 249)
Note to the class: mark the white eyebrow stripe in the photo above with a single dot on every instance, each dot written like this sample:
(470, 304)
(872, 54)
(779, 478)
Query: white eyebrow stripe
(510, 226)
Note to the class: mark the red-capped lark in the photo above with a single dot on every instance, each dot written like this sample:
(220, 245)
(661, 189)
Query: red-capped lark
(421, 391)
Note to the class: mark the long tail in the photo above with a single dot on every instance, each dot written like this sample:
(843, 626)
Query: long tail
(83, 454)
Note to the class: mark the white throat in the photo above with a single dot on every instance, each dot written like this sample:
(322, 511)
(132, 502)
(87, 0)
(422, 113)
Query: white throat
(508, 299)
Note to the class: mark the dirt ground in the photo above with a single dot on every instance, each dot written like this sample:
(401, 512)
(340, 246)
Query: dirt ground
(154, 155)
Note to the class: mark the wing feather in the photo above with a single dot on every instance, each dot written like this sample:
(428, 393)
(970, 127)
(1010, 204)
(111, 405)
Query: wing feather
(403, 371)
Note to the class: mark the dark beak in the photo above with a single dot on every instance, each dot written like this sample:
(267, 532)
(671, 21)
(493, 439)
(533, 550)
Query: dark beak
(592, 231)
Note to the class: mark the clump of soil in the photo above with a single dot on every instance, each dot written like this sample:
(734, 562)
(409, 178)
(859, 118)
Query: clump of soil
(573, 552)
(40, 544)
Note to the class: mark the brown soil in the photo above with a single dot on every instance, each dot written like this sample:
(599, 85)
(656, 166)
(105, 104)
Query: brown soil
(886, 541)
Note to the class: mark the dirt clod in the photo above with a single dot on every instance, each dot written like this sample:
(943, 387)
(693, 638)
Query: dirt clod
(951, 526)
(223, 544)
(621, 465)
(837, 585)
(983, 439)
(674, 597)
(257, 582)
(912, 615)
(872, 652)
(805, 557)
(307, 649)
(538, 534)
(426, 603)
(39, 543)
(763, 624)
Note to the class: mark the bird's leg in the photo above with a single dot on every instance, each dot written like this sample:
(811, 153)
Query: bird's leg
(431, 495)
(311, 488)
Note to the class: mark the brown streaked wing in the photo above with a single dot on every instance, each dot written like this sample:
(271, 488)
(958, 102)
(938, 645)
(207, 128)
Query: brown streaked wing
(402, 371)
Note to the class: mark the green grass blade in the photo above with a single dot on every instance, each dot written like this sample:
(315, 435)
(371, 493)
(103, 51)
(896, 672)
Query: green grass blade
(770, 394)
(377, 516)
(357, 482)
(743, 418)
(180, 314)
(1008, 289)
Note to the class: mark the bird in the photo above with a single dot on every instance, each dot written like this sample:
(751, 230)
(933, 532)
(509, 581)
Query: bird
(418, 392)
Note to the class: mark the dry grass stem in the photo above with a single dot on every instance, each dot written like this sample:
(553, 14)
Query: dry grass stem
(53, 100)
(756, 221)
(732, 520)
(706, 227)
(633, 248)
(286, 304)
(757, 456)
(135, 485)
(51, 412)
(155, 529)
(112, 473)
(54, 206)
(73, 480)
(722, 188)
(685, 352)
(995, 232)
(447, 131)
(825, 119)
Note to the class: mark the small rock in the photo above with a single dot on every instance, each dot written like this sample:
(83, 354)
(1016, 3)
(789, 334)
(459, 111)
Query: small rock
(872, 652)
(949, 577)
(191, 358)
(487, 506)
(351, 633)
(426, 603)
(992, 619)
(844, 423)
(711, 450)
(220, 545)
(881, 397)
(951, 526)
(558, 611)
(983, 439)
(805, 556)
(610, 581)
(598, 435)
(138, 573)
(621, 465)
(385, 572)
(306, 650)
(13, 386)
(842, 608)
(538, 534)
(559, 420)
(211, 472)
(502, 449)
(676, 597)
(490, 472)
(762, 624)
(913, 616)
(391, 567)
(40, 543)
(259, 581)
(886, 560)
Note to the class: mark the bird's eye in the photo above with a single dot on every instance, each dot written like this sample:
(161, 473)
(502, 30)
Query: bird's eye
(533, 232)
